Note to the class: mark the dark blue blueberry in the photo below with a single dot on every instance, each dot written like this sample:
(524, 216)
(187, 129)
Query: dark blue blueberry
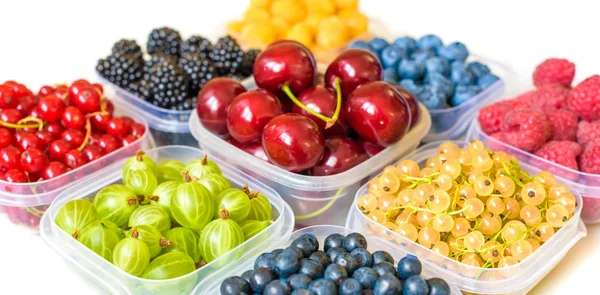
(390, 75)
(260, 278)
(333, 241)
(430, 42)
(367, 277)
(463, 93)
(387, 284)
(266, 260)
(348, 262)
(353, 241)
(478, 69)
(415, 285)
(321, 258)
(382, 268)
(391, 56)
(333, 253)
(246, 275)
(438, 286)
(411, 69)
(277, 287)
(277, 251)
(360, 45)
(408, 43)
(299, 253)
(453, 52)
(303, 292)
(299, 281)
(381, 256)
(460, 74)
(441, 82)
(409, 266)
(311, 268)
(350, 287)
(312, 239)
(486, 81)
(336, 273)
(437, 65)
(422, 55)
(305, 245)
(235, 286)
(378, 44)
(363, 257)
(286, 263)
(323, 287)
(432, 97)
(411, 86)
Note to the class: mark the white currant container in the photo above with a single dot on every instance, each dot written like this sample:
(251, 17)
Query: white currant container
(212, 284)
(518, 279)
(109, 278)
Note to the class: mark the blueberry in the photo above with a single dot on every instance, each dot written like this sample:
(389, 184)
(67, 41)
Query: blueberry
(390, 75)
(246, 275)
(478, 69)
(432, 97)
(454, 51)
(348, 262)
(353, 241)
(422, 54)
(387, 284)
(461, 75)
(299, 281)
(332, 241)
(436, 64)
(408, 43)
(463, 93)
(415, 285)
(363, 257)
(335, 252)
(378, 44)
(438, 286)
(323, 287)
(391, 56)
(336, 273)
(486, 81)
(260, 278)
(411, 69)
(312, 239)
(311, 268)
(277, 287)
(381, 256)
(409, 266)
(360, 45)
(350, 287)
(382, 268)
(286, 263)
(366, 276)
(459, 65)
(299, 253)
(321, 258)
(305, 245)
(411, 86)
(430, 42)
(266, 260)
(234, 286)
(441, 82)
(277, 251)
(303, 292)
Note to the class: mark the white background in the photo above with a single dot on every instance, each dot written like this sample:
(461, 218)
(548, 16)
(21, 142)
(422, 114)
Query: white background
(59, 41)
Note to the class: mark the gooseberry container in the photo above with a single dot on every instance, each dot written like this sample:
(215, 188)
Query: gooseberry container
(212, 284)
(24, 203)
(518, 279)
(111, 279)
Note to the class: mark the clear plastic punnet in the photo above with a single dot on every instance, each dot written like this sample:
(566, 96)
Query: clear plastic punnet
(109, 278)
(314, 199)
(517, 279)
(24, 203)
(212, 284)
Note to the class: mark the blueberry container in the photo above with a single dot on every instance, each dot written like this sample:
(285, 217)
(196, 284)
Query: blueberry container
(109, 278)
(24, 203)
(212, 284)
(517, 279)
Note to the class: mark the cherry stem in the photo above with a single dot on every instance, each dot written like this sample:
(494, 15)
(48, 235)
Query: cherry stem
(338, 106)
(292, 97)
(88, 134)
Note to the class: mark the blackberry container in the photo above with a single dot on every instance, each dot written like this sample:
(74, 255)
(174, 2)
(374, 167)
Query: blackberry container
(109, 278)
(517, 279)
(24, 203)
(212, 284)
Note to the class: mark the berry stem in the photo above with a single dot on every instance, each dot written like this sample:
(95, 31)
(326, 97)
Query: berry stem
(204, 160)
(338, 106)
(186, 176)
(88, 134)
(38, 123)
(164, 242)
(224, 214)
(139, 155)
(292, 97)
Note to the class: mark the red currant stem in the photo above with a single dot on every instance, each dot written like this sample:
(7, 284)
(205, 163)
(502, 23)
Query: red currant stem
(295, 100)
(338, 106)
(60, 84)
(19, 125)
(88, 134)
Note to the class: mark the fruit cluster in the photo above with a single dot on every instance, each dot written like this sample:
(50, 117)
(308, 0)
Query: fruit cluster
(166, 220)
(321, 25)
(301, 126)
(471, 204)
(176, 69)
(344, 267)
(437, 75)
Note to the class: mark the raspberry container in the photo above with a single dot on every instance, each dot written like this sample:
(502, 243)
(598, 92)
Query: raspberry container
(518, 279)
(212, 284)
(109, 278)
(24, 203)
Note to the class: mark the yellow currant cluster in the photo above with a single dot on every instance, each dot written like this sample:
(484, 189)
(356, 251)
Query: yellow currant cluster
(318, 24)
(471, 204)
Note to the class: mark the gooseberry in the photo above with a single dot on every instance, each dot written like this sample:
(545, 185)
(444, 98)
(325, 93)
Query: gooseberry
(116, 203)
(162, 195)
(142, 182)
(236, 202)
(192, 206)
(151, 236)
(253, 227)
(184, 240)
(215, 183)
(169, 266)
(169, 170)
(139, 162)
(132, 256)
(73, 216)
(101, 236)
(260, 207)
(202, 167)
(151, 215)
(219, 237)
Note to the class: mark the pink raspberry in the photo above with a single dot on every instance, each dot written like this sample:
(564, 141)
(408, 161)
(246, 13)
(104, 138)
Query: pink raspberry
(590, 158)
(584, 99)
(550, 97)
(554, 70)
(561, 152)
(490, 117)
(564, 124)
(528, 98)
(588, 132)
(526, 129)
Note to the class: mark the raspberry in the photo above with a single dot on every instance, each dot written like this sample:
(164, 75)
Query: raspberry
(588, 132)
(584, 99)
(526, 129)
(490, 117)
(564, 124)
(590, 158)
(550, 97)
(561, 152)
(527, 98)
(554, 70)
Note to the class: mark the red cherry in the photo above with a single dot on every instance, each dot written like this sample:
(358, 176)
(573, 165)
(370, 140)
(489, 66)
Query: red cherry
(98, 88)
(371, 148)
(33, 160)
(29, 140)
(74, 159)
(19, 89)
(8, 99)
(15, 176)
(45, 137)
(213, 101)
(50, 108)
(87, 100)
(53, 170)
(128, 139)
(58, 149)
(45, 90)
(73, 118)
(137, 130)
(61, 92)
(116, 127)
(76, 87)
(248, 114)
(354, 67)
(93, 152)
(323, 101)
(100, 122)
(378, 113)
(108, 142)
(74, 137)
(293, 142)
(256, 149)
(341, 154)
(6, 138)
(10, 158)
(235, 143)
(413, 105)
(55, 129)
(10, 116)
(27, 104)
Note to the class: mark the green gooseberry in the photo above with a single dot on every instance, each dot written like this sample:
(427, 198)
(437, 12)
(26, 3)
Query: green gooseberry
(169, 266)
(73, 216)
(101, 236)
(237, 203)
(142, 182)
(219, 237)
(192, 206)
(132, 256)
(215, 183)
(169, 170)
(139, 162)
(184, 240)
(152, 215)
(161, 196)
(253, 227)
(116, 203)
(260, 207)
(151, 236)
(201, 167)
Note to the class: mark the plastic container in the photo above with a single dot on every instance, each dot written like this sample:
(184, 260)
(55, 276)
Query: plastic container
(115, 281)
(314, 199)
(24, 203)
(212, 284)
(514, 280)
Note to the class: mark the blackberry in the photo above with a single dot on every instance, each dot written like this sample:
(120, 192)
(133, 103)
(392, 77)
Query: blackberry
(168, 84)
(199, 70)
(158, 58)
(186, 105)
(142, 89)
(227, 56)
(125, 46)
(121, 69)
(247, 66)
(196, 44)
(165, 40)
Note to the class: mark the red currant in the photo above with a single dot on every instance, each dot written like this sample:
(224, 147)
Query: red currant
(137, 130)
(108, 142)
(10, 158)
(73, 118)
(45, 137)
(15, 176)
(129, 139)
(74, 159)
(93, 152)
(53, 170)
(29, 140)
(55, 129)
(8, 98)
(100, 122)
(19, 89)
(10, 116)
(33, 160)
(74, 137)
(61, 91)
(87, 100)
(6, 138)
(50, 108)
(98, 88)
(127, 121)
(58, 149)
(27, 104)
(117, 128)
(45, 90)
(76, 87)
(109, 107)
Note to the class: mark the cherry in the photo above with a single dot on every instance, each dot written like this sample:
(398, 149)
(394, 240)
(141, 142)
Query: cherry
(371, 148)
(413, 105)
(285, 64)
(53, 170)
(11, 116)
(100, 121)
(27, 104)
(256, 149)
(10, 158)
(61, 92)
(55, 129)
(87, 100)
(15, 176)
(8, 99)
(45, 137)
(137, 130)
(128, 139)
(29, 140)
(108, 142)
(213, 101)
(45, 90)
(248, 114)
(76, 87)
(73, 118)
(378, 113)
(33, 160)
(98, 88)
(235, 143)
(293, 142)
(19, 89)
(74, 137)
(93, 152)
(341, 154)
(323, 101)
(58, 149)
(74, 159)
(354, 67)
(50, 108)
(6, 138)
(117, 127)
